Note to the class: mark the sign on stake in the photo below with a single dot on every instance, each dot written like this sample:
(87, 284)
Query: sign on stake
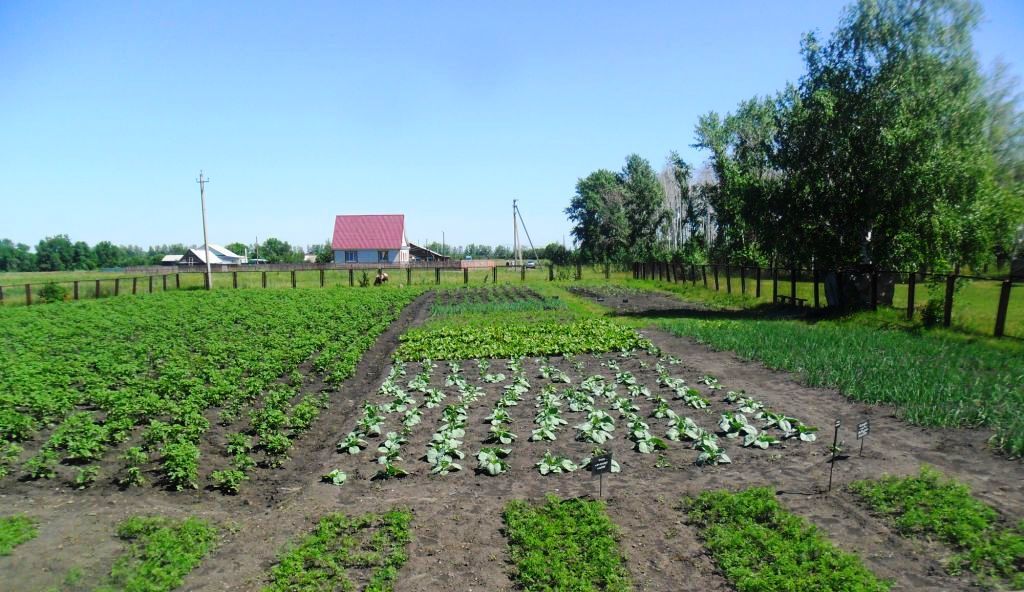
(863, 429)
(832, 464)
(599, 465)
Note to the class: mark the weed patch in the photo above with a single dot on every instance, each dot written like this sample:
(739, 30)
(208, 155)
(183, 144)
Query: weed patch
(565, 545)
(928, 505)
(760, 546)
(322, 560)
(15, 530)
(161, 553)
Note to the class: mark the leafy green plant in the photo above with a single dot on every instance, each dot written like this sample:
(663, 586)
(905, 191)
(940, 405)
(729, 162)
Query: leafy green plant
(597, 429)
(352, 444)
(42, 465)
(86, 476)
(228, 480)
(9, 452)
(491, 460)
(181, 465)
(335, 477)
(555, 464)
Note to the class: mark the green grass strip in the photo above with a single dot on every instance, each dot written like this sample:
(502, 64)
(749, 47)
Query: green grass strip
(944, 509)
(565, 545)
(761, 547)
(161, 553)
(517, 339)
(934, 380)
(321, 560)
(15, 530)
(443, 310)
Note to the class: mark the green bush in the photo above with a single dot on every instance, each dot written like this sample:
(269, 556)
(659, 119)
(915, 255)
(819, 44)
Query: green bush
(53, 293)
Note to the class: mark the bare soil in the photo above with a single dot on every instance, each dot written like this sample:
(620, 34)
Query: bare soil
(458, 544)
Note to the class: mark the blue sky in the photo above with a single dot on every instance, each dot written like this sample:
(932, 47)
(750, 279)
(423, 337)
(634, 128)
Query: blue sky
(443, 111)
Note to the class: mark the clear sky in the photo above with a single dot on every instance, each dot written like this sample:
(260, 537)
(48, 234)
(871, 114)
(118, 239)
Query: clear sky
(443, 111)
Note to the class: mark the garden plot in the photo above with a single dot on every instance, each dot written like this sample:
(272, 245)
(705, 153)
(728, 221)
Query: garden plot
(552, 415)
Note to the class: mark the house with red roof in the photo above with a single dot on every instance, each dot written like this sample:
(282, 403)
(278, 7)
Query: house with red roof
(372, 238)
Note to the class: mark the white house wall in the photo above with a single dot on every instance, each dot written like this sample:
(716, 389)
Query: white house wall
(395, 256)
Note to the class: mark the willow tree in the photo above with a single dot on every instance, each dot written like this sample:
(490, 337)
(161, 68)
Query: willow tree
(883, 141)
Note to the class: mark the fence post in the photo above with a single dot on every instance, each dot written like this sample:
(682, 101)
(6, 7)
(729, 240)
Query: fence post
(947, 313)
(728, 280)
(76, 290)
(263, 278)
(165, 282)
(775, 284)
(234, 279)
(817, 286)
(293, 278)
(408, 277)
(321, 278)
(150, 284)
(28, 294)
(494, 274)
(607, 270)
(465, 275)
(874, 290)
(117, 286)
(177, 280)
(135, 285)
(207, 282)
(437, 275)
(97, 288)
(1004, 303)
(551, 272)
(1, 295)
(911, 288)
(522, 273)
(792, 284)
(693, 274)
(351, 278)
(704, 274)
(757, 290)
(715, 269)
(579, 271)
(743, 280)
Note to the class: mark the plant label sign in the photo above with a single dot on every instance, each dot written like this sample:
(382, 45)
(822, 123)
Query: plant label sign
(863, 429)
(601, 464)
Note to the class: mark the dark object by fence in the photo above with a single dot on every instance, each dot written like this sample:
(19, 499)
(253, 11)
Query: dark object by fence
(947, 310)
(1004, 302)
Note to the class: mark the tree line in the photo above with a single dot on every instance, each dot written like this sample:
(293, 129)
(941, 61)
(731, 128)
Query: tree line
(893, 148)
(59, 253)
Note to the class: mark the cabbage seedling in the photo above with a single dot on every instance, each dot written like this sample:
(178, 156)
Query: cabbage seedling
(734, 425)
(352, 444)
(625, 378)
(493, 378)
(711, 382)
(491, 462)
(445, 465)
(555, 464)
(762, 441)
(598, 427)
(682, 427)
(335, 477)
(502, 435)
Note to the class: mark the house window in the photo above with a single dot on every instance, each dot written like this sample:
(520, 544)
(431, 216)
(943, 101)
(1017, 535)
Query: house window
(351, 256)
(383, 256)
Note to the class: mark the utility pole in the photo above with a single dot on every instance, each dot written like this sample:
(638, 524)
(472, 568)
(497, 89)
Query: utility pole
(206, 243)
(517, 250)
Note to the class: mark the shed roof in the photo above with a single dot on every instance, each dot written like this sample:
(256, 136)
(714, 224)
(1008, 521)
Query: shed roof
(200, 254)
(376, 231)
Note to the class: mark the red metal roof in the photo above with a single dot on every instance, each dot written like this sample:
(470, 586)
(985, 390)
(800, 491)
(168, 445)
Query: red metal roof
(377, 231)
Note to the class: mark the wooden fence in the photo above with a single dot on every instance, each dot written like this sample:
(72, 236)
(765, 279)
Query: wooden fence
(878, 285)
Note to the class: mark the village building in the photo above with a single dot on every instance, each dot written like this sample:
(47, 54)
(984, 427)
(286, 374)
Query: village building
(219, 255)
(375, 238)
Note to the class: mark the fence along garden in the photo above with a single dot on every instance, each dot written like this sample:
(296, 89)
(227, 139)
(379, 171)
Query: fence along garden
(838, 288)
(986, 302)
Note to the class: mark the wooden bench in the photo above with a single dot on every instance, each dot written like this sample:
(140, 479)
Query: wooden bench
(780, 299)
